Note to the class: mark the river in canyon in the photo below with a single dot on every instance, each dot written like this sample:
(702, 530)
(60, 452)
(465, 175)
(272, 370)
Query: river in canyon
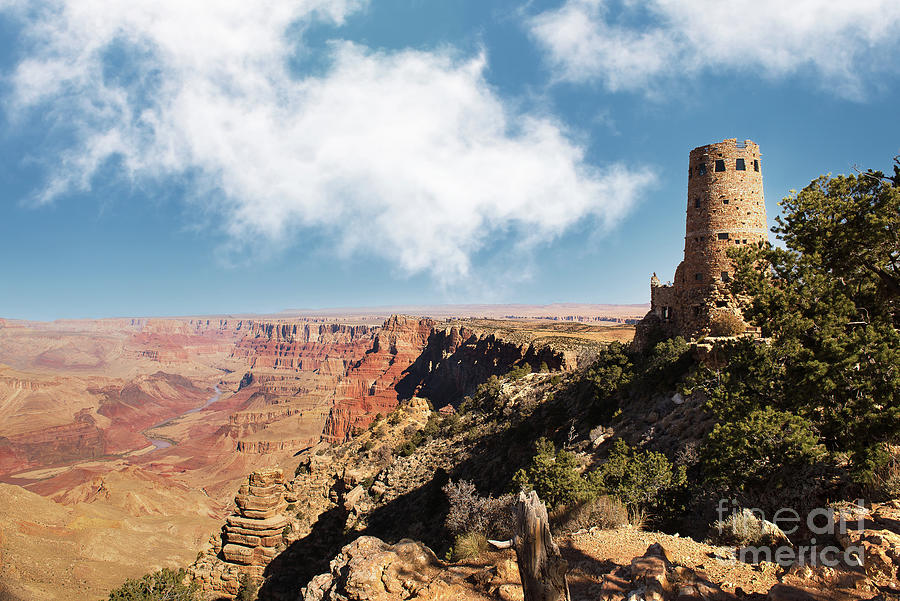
(162, 443)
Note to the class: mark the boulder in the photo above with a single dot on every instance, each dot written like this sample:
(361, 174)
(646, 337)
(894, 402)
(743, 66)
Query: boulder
(353, 497)
(652, 577)
(368, 569)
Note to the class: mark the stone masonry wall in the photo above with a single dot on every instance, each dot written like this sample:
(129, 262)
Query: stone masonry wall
(725, 208)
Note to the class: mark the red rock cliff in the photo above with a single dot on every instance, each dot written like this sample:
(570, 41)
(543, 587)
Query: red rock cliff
(369, 386)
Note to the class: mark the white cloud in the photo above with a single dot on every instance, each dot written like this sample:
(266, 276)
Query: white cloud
(631, 45)
(410, 155)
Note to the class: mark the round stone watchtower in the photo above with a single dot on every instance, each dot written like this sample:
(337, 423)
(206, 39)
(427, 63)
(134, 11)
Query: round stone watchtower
(725, 208)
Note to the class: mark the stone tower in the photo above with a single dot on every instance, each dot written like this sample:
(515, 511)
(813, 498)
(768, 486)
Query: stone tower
(725, 208)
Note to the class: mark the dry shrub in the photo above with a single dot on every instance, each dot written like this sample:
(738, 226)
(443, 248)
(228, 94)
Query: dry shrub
(886, 477)
(637, 518)
(725, 323)
(744, 528)
(468, 545)
(471, 513)
(603, 512)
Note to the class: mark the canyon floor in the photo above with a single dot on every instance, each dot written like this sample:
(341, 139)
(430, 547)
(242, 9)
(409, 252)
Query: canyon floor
(122, 441)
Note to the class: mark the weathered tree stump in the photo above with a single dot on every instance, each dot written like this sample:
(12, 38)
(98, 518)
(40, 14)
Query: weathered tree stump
(541, 567)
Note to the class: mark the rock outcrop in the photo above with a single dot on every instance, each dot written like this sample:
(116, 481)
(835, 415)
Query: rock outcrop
(872, 535)
(370, 384)
(81, 439)
(457, 359)
(368, 569)
(655, 578)
(252, 536)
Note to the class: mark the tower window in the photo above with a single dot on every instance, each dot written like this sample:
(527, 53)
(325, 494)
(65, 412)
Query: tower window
(697, 203)
(698, 277)
(739, 165)
(743, 242)
(755, 165)
(726, 277)
(725, 202)
(720, 165)
(701, 169)
(723, 236)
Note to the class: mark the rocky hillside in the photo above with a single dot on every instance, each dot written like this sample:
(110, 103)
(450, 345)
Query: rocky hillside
(366, 519)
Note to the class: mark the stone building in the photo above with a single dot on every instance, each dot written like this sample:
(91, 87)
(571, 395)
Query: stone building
(725, 208)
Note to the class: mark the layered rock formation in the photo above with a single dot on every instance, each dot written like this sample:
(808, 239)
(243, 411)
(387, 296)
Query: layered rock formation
(326, 348)
(80, 439)
(370, 384)
(254, 533)
(252, 536)
(458, 358)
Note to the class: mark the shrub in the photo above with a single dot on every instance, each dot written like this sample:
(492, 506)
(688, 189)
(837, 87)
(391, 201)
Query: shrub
(470, 512)
(382, 454)
(883, 473)
(407, 448)
(612, 371)
(603, 512)
(665, 365)
(416, 438)
(451, 425)
(470, 544)
(467, 405)
(726, 323)
(763, 450)
(432, 426)
(638, 478)
(519, 372)
(637, 517)
(164, 585)
(553, 475)
(395, 417)
(744, 528)
(248, 588)
(487, 398)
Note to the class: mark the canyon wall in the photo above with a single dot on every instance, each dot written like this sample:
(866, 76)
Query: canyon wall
(369, 385)
(458, 358)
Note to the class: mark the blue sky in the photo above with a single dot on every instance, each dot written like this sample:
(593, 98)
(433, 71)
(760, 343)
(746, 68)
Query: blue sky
(170, 158)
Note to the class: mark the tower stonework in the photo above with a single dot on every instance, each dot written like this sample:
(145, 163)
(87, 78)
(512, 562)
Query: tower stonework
(725, 208)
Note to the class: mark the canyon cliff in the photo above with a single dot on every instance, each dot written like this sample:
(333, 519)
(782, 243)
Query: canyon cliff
(94, 413)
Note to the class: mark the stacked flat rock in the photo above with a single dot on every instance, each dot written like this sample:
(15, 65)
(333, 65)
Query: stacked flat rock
(254, 534)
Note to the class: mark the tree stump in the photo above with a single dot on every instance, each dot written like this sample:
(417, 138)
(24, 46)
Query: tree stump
(541, 567)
